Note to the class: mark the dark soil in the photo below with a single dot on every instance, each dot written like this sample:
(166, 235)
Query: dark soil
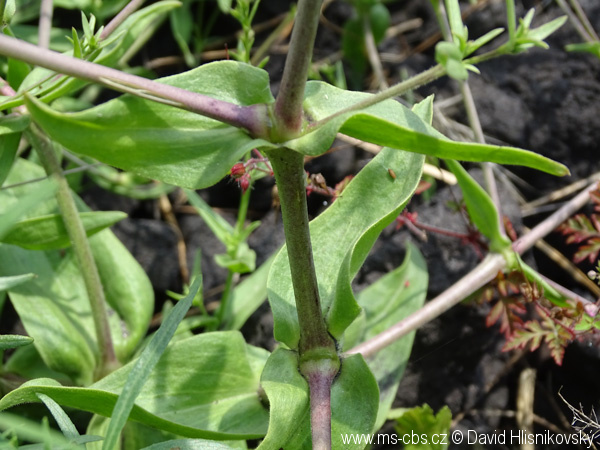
(545, 101)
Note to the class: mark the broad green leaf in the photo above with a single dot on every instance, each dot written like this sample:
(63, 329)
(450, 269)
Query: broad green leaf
(248, 296)
(145, 364)
(380, 19)
(13, 123)
(202, 387)
(62, 419)
(54, 306)
(13, 341)
(162, 142)
(354, 400)
(342, 237)
(423, 422)
(12, 211)
(30, 33)
(27, 363)
(9, 144)
(49, 232)
(481, 208)
(393, 125)
(9, 282)
(387, 301)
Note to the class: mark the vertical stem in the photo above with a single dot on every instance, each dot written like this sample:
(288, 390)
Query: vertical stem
(81, 247)
(45, 24)
(288, 167)
(319, 361)
(288, 106)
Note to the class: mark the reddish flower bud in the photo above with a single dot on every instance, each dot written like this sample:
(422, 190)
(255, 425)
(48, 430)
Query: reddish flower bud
(244, 183)
(238, 170)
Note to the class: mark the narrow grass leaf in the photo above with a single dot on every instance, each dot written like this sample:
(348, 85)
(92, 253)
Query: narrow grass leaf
(145, 364)
(62, 419)
(189, 444)
(34, 431)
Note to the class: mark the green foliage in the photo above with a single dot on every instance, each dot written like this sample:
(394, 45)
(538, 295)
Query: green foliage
(430, 427)
(13, 340)
(218, 392)
(159, 141)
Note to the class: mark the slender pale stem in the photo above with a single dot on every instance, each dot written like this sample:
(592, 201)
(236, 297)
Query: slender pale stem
(131, 7)
(478, 277)
(45, 23)
(81, 247)
(288, 106)
(254, 118)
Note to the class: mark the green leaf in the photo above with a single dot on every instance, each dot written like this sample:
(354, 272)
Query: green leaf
(49, 232)
(475, 45)
(25, 204)
(9, 282)
(202, 387)
(354, 399)
(64, 423)
(393, 125)
(481, 208)
(54, 306)
(342, 237)
(422, 421)
(34, 431)
(190, 444)
(145, 364)
(387, 301)
(224, 6)
(13, 341)
(13, 123)
(217, 224)
(587, 47)
(162, 142)
(455, 20)
(248, 296)
(380, 19)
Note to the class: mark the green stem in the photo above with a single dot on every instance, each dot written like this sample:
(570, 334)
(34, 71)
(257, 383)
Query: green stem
(288, 106)
(511, 19)
(288, 167)
(81, 247)
(242, 211)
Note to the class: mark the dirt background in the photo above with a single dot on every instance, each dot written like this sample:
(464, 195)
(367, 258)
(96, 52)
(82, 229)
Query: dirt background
(545, 101)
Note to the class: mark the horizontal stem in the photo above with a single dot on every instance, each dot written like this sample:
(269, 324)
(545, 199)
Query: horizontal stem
(253, 118)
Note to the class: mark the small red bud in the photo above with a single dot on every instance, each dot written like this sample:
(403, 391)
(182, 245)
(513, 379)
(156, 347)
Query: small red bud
(244, 183)
(238, 170)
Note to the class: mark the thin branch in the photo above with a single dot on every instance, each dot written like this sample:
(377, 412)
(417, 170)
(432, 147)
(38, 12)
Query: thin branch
(479, 276)
(131, 7)
(45, 23)
(254, 118)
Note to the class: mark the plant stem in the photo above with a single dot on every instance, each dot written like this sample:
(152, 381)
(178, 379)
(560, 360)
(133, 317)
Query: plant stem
(479, 276)
(425, 77)
(288, 106)
(288, 167)
(81, 247)
(319, 362)
(254, 118)
(129, 9)
(45, 23)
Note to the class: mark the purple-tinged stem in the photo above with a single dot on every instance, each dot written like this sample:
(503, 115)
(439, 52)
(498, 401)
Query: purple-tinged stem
(320, 375)
(253, 118)
(478, 277)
